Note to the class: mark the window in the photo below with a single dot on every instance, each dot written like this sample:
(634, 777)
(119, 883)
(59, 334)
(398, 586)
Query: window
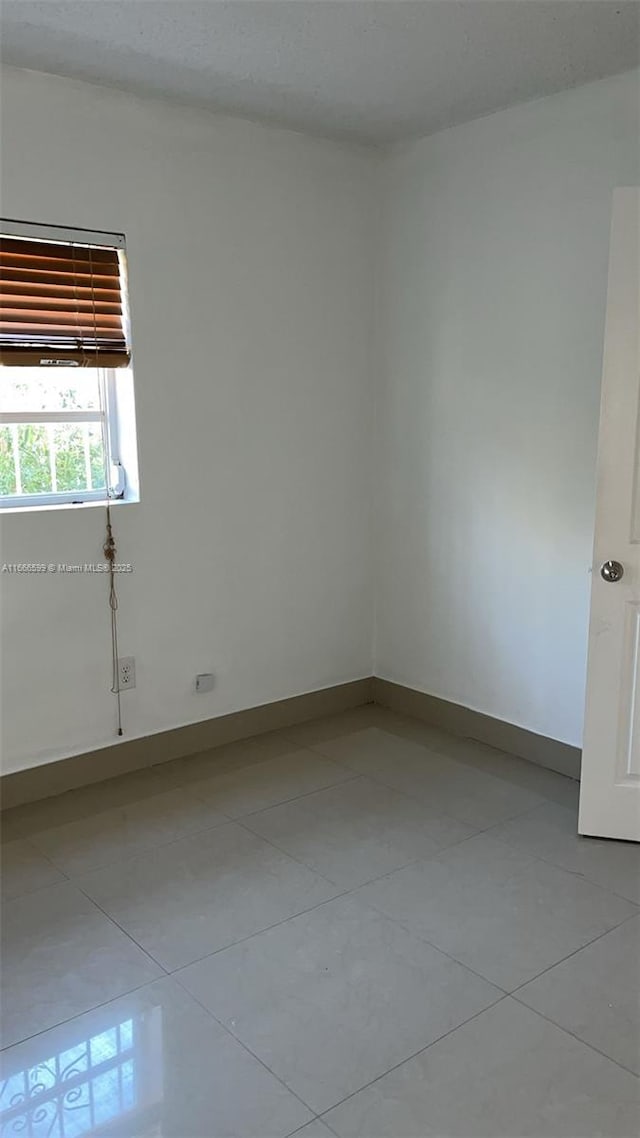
(58, 436)
(67, 417)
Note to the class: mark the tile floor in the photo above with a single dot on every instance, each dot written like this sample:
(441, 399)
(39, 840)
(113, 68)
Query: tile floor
(359, 927)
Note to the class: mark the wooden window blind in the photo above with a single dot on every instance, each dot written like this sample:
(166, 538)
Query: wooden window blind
(61, 303)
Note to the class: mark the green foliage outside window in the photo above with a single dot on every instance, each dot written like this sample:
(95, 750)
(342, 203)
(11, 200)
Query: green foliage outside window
(74, 446)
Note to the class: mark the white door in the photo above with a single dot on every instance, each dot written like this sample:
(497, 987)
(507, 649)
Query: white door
(610, 789)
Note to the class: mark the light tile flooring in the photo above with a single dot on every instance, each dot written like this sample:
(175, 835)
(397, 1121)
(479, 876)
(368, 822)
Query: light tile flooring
(359, 927)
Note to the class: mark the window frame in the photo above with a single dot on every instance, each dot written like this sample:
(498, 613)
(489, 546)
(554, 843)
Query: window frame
(108, 417)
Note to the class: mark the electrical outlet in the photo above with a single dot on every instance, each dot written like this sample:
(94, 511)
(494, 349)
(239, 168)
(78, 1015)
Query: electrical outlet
(126, 672)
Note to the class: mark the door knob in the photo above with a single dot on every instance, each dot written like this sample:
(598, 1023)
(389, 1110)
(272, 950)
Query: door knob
(612, 571)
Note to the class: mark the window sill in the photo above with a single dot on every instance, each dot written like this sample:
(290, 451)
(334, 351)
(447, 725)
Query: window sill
(41, 508)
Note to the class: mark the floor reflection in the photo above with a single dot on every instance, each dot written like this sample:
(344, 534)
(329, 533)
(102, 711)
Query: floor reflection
(108, 1082)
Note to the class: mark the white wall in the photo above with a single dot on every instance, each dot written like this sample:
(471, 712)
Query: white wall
(493, 283)
(252, 252)
(250, 262)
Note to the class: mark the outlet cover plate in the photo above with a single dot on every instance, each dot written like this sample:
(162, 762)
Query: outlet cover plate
(126, 673)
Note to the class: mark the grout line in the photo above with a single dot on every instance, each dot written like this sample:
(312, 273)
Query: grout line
(315, 749)
(316, 1118)
(414, 1055)
(177, 783)
(258, 932)
(344, 893)
(224, 819)
(329, 1127)
(506, 996)
(122, 930)
(325, 1123)
(41, 888)
(232, 944)
(503, 995)
(246, 1048)
(41, 853)
(380, 780)
(408, 928)
(435, 747)
(78, 1015)
(29, 892)
(295, 797)
(556, 864)
(317, 745)
(365, 712)
(297, 860)
(578, 1038)
(487, 831)
(412, 932)
(600, 936)
(134, 855)
(387, 873)
(173, 973)
(583, 877)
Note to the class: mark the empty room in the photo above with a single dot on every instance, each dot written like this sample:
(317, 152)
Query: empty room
(320, 568)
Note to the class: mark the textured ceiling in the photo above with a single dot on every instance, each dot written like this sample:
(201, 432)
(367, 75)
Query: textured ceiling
(367, 70)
